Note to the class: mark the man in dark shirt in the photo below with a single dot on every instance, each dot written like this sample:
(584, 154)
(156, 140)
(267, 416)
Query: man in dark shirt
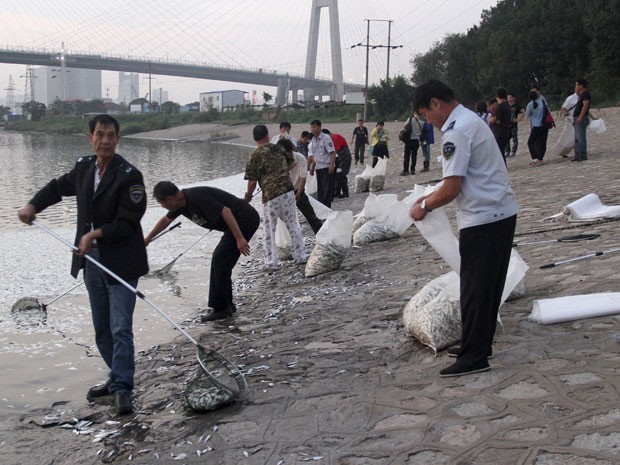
(360, 137)
(581, 119)
(110, 198)
(501, 120)
(518, 112)
(216, 209)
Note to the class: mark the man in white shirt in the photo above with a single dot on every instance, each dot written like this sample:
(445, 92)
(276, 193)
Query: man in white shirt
(322, 160)
(285, 133)
(475, 177)
(298, 177)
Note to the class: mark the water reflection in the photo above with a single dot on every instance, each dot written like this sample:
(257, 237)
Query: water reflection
(28, 161)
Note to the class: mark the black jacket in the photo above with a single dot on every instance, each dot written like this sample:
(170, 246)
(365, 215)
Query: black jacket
(116, 208)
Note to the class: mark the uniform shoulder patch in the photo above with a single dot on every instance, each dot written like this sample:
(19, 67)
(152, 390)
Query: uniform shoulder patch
(136, 193)
(451, 126)
(448, 150)
(87, 159)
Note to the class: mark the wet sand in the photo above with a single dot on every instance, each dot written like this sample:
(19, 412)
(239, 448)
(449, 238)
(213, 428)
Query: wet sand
(333, 378)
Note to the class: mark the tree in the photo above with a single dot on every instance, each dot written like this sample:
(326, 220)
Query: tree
(4, 111)
(267, 97)
(392, 98)
(36, 110)
(170, 108)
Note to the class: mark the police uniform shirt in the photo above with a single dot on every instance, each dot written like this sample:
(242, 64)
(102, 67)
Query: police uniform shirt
(469, 150)
(320, 148)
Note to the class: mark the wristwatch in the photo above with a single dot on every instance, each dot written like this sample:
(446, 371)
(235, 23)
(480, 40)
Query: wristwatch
(425, 207)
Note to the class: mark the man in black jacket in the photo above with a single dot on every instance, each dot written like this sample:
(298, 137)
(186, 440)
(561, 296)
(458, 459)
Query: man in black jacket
(111, 200)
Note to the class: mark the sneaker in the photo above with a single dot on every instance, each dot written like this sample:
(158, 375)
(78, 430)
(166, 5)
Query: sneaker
(122, 400)
(540, 163)
(425, 169)
(100, 390)
(412, 172)
(404, 173)
(513, 154)
(217, 314)
(460, 369)
(535, 162)
(455, 350)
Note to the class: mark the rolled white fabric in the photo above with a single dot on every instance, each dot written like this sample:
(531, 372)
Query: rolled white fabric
(575, 307)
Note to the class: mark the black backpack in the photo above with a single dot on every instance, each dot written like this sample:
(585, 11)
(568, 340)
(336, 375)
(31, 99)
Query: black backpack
(405, 133)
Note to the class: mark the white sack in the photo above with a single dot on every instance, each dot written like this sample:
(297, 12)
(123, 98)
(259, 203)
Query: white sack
(311, 186)
(566, 140)
(333, 241)
(433, 315)
(322, 211)
(549, 311)
(362, 181)
(587, 208)
(437, 231)
(597, 126)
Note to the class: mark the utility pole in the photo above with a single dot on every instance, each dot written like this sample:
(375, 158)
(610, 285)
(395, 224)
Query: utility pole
(29, 84)
(10, 93)
(389, 47)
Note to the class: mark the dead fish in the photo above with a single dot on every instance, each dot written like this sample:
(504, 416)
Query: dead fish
(325, 258)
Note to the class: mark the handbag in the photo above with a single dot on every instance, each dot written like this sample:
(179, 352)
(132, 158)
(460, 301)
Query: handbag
(548, 121)
(405, 134)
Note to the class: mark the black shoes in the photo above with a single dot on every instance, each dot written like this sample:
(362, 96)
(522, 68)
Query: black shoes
(460, 369)
(122, 400)
(100, 390)
(454, 352)
(218, 314)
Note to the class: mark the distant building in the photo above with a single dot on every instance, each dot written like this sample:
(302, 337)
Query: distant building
(222, 100)
(159, 95)
(128, 87)
(56, 83)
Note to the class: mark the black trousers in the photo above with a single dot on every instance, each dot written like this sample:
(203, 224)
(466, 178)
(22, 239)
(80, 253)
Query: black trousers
(485, 255)
(360, 148)
(325, 186)
(225, 257)
(343, 166)
(411, 152)
(537, 142)
(305, 207)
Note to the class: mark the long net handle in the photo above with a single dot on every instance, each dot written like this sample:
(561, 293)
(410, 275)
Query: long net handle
(119, 279)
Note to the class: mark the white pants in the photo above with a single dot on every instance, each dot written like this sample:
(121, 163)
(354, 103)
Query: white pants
(282, 207)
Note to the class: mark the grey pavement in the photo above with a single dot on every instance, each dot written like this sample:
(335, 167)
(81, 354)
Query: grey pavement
(334, 379)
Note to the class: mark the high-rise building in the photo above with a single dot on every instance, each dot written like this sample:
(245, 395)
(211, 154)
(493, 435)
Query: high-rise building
(159, 95)
(61, 83)
(128, 87)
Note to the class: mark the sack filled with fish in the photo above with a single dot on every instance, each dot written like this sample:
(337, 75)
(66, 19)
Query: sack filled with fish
(333, 242)
(433, 315)
(363, 180)
(389, 219)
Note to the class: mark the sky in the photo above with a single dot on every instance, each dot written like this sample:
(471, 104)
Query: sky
(268, 34)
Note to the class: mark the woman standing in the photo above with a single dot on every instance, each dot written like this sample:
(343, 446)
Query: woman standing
(537, 142)
(379, 142)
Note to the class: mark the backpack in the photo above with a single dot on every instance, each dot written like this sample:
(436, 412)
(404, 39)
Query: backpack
(547, 119)
(405, 134)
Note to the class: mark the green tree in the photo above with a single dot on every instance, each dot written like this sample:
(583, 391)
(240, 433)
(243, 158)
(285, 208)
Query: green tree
(170, 108)
(392, 98)
(4, 110)
(267, 97)
(35, 110)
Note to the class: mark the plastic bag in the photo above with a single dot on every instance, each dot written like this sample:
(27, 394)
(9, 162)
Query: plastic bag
(362, 181)
(283, 241)
(373, 208)
(333, 242)
(597, 126)
(389, 218)
(433, 315)
(566, 142)
(377, 180)
(311, 186)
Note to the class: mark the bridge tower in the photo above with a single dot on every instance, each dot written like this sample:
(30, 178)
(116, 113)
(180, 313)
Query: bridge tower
(336, 51)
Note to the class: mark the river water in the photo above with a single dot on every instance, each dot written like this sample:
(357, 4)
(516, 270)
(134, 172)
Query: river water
(50, 358)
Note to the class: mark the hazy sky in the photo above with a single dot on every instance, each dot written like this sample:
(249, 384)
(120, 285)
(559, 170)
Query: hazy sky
(268, 34)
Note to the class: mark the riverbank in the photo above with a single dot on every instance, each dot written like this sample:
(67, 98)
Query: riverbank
(334, 379)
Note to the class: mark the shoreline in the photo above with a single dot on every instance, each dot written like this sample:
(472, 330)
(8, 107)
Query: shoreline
(332, 374)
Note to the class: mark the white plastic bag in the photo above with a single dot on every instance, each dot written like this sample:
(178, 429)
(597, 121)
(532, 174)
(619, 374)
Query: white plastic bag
(566, 140)
(433, 315)
(333, 241)
(377, 180)
(283, 241)
(573, 307)
(362, 181)
(389, 218)
(597, 126)
(311, 186)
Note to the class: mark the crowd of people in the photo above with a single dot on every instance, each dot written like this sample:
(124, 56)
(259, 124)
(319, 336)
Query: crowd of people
(111, 200)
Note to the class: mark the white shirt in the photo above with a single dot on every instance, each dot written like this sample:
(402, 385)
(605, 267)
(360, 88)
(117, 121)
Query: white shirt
(320, 147)
(469, 150)
(300, 170)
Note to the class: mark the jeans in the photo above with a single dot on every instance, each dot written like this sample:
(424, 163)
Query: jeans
(426, 154)
(112, 306)
(581, 143)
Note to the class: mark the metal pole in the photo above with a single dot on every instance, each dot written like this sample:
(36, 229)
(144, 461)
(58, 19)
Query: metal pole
(387, 74)
(366, 83)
